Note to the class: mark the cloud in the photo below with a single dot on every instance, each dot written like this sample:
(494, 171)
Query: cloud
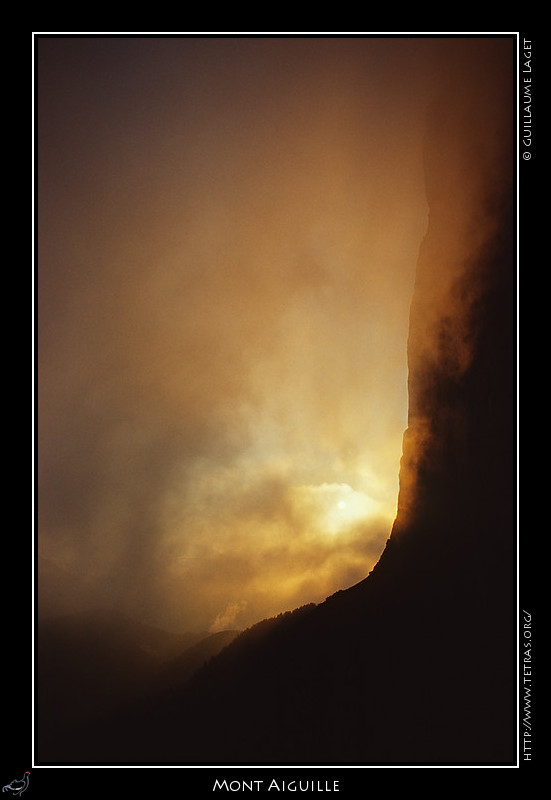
(225, 619)
(226, 264)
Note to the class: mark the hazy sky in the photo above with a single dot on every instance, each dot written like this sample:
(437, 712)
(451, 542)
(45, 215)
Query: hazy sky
(228, 230)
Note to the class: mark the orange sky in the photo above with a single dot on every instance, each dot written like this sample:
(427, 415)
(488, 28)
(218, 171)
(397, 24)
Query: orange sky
(227, 237)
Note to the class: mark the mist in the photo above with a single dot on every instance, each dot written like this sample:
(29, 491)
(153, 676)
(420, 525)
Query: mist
(228, 233)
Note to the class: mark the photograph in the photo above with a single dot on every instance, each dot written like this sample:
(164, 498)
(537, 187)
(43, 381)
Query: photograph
(275, 292)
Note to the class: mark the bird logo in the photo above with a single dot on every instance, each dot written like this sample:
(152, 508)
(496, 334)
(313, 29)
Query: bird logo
(17, 787)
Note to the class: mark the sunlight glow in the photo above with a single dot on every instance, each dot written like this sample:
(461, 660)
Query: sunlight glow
(335, 508)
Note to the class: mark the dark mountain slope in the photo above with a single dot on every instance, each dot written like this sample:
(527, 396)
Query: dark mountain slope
(415, 664)
(91, 663)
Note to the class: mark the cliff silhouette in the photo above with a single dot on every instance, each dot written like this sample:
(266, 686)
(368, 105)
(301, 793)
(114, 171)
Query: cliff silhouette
(416, 664)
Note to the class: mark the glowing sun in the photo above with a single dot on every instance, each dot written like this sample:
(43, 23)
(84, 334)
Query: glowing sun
(334, 508)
